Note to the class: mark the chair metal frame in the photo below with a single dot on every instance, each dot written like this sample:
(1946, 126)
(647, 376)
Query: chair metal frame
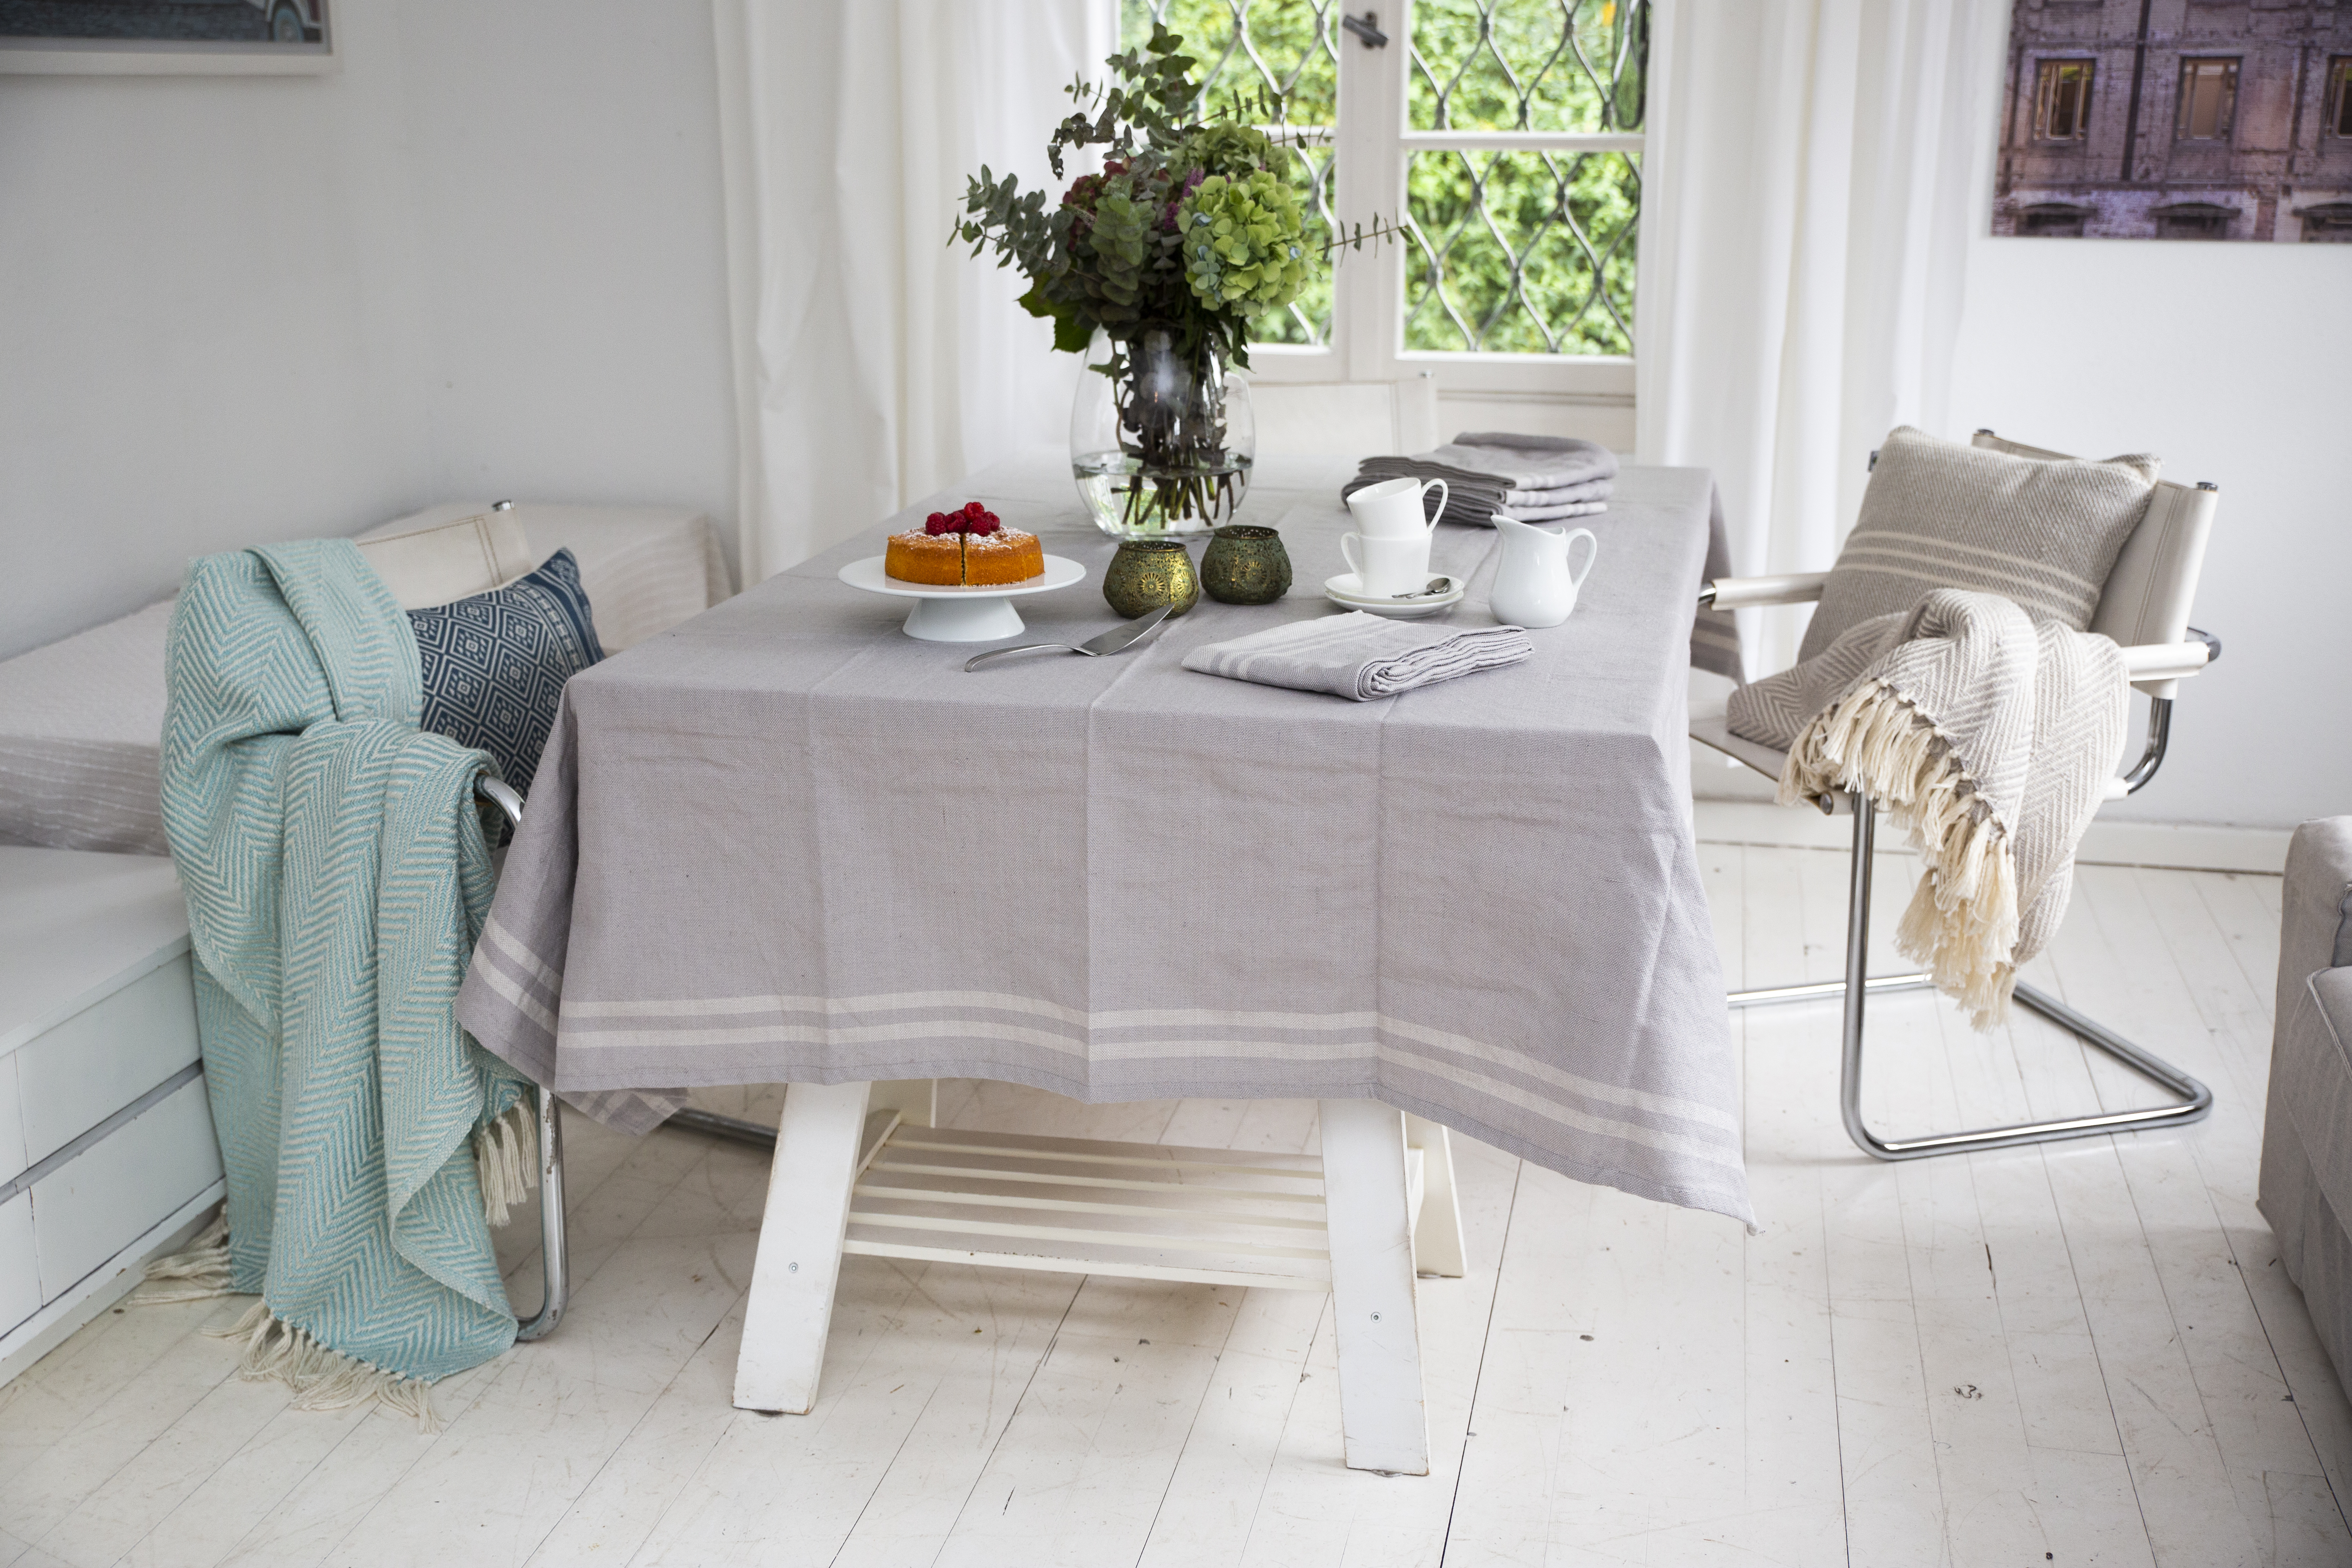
(2193, 1102)
(555, 1252)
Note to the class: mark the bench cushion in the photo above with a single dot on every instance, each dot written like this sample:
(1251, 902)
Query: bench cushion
(81, 720)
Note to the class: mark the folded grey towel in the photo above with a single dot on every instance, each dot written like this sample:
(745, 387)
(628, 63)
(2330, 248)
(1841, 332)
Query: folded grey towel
(1555, 513)
(1522, 483)
(1360, 655)
(1468, 498)
(1532, 478)
(1537, 462)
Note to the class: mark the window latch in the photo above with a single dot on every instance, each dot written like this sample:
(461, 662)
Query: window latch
(1367, 27)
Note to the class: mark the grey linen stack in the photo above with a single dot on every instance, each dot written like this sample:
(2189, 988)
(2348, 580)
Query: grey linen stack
(1529, 479)
(1359, 656)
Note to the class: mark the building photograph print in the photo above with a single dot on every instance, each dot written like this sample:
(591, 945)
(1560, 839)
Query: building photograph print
(2177, 119)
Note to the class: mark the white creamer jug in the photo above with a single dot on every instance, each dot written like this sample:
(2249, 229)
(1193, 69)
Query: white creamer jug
(1532, 583)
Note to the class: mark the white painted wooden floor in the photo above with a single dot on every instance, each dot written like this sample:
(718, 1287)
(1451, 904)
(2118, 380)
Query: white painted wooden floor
(2077, 1355)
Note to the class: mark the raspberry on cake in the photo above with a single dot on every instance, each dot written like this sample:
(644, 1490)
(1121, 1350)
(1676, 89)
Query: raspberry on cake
(968, 546)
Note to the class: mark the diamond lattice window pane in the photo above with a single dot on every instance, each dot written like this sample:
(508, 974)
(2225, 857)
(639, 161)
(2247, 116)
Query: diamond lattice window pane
(1527, 64)
(1286, 47)
(1522, 252)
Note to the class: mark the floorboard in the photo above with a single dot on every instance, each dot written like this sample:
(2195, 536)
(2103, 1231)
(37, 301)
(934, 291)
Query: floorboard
(2071, 1353)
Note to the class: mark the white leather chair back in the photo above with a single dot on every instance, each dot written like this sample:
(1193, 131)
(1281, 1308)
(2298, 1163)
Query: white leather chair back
(2154, 581)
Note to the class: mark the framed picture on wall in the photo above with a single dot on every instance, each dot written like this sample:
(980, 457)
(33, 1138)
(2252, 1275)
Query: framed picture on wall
(2126, 122)
(165, 37)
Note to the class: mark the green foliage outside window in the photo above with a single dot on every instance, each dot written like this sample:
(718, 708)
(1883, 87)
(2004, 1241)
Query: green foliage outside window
(1565, 221)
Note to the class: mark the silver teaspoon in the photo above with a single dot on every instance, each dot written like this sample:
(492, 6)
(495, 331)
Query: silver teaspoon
(1434, 586)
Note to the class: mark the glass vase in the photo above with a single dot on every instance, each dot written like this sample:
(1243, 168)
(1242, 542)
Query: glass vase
(1161, 443)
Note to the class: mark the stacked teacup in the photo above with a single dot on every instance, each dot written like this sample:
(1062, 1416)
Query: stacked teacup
(1389, 549)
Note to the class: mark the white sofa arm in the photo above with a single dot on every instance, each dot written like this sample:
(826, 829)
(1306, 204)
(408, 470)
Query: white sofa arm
(1749, 592)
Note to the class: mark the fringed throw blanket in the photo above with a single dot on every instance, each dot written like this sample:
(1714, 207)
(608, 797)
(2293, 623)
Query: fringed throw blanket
(1991, 737)
(336, 881)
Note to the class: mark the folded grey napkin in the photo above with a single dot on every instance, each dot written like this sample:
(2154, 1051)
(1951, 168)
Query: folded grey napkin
(1522, 484)
(1532, 478)
(1554, 513)
(1534, 462)
(1360, 656)
(1468, 497)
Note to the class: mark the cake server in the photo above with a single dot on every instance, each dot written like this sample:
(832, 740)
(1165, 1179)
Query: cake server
(1118, 639)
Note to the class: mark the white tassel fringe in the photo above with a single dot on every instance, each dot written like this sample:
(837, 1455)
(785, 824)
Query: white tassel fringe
(1962, 922)
(505, 1158)
(203, 1271)
(321, 1379)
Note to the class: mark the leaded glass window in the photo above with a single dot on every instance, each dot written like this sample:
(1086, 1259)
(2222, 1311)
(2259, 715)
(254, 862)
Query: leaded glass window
(1516, 153)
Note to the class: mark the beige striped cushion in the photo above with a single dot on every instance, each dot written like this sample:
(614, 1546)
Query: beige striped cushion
(1941, 515)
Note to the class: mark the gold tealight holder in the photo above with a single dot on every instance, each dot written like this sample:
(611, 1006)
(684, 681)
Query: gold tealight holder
(1245, 565)
(1148, 572)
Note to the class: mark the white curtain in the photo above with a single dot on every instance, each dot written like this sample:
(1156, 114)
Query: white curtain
(1813, 176)
(874, 364)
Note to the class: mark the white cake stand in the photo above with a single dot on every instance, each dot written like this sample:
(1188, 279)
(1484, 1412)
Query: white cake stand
(982, 613)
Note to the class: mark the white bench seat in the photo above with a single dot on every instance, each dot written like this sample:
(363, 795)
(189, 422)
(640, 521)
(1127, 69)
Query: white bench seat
(81, 718)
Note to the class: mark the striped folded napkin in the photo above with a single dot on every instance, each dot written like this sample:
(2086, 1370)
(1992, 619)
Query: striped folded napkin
(1360, 656)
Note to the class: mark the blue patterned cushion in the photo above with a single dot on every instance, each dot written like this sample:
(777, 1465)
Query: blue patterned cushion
(494, 664)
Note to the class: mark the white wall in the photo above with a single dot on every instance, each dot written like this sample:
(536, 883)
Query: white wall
(206, 338)
(2228, 361)
(566, 168)
(485, 256)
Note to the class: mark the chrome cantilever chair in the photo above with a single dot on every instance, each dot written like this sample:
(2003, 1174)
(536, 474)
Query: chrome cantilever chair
(555, 1255)
(2144, 607)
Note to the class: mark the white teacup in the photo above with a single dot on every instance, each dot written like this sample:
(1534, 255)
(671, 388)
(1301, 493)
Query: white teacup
(1394, 509)
(1388, 567)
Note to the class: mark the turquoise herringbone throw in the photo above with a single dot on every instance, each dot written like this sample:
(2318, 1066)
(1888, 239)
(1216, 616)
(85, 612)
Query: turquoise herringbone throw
(336, 881)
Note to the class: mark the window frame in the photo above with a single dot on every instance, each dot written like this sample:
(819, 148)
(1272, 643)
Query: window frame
(1374, 145)
(2225, 132)
(2046, 69)
(2336, 118)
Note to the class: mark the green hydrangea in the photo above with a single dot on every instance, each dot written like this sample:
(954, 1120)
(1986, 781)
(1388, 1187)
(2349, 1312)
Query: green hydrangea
(1245, 243)
(1222, 149)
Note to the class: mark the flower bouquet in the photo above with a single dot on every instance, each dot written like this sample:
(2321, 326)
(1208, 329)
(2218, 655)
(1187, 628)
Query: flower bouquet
(1156, 268)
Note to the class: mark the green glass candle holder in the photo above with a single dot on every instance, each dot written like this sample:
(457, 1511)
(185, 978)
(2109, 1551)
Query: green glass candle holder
(1245, 565)
(1148, 572)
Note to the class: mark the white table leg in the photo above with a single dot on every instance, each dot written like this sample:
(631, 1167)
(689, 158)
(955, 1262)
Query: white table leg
(1382, 1417)
(799, 1259)
(916, 1099)
(1437, 1229)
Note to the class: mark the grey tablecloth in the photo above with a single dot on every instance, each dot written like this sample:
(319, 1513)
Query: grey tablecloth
(786, 843)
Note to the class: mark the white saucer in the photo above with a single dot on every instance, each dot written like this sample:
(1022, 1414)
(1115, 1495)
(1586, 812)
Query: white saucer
(978, 614)
(1348, 589)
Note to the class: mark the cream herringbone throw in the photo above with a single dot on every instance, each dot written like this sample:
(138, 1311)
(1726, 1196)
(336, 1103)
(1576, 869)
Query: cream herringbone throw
(1990, 735)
